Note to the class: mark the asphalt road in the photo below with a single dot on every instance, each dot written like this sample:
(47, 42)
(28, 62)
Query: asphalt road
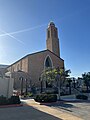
(24, 113)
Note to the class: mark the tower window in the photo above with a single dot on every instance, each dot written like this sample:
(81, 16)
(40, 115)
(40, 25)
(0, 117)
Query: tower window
(55, 33)
(48, 34)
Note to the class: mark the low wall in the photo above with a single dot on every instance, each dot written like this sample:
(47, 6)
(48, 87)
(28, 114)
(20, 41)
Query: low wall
(68, 97)
(74, 96)
(6, 86)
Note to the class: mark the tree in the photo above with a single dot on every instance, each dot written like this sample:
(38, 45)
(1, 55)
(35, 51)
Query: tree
(86, 78)
(55, 74)
(51, 74)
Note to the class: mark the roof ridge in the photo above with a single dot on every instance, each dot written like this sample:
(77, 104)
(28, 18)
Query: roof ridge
(33, 54)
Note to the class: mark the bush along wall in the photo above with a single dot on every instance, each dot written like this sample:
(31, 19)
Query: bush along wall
(46, 98)
(83, 97)
(14, 100)
(3, 100)
(9, 101)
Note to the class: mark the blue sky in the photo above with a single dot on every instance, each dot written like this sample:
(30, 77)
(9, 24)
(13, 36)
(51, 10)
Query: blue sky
(26, 21)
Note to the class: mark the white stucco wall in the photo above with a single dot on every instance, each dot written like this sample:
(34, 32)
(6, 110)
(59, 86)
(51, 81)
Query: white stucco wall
(6, 86)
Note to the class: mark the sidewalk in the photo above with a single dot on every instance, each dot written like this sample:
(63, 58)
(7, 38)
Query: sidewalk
(52, 111)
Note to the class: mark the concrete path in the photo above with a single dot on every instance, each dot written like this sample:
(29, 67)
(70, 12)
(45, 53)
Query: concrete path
(52, 111)
(80, 109)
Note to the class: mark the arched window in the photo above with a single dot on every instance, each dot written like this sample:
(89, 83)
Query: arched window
(48, 62)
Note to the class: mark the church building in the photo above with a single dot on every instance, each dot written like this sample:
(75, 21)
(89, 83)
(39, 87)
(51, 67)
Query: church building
(33, 64)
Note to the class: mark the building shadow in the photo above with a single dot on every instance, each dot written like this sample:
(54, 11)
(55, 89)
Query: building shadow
(25, 112)
(61, 105)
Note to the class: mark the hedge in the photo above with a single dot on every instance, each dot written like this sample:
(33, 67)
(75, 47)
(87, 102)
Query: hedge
(12, 100)
(83, 97)
(46, 98)
(3, 100)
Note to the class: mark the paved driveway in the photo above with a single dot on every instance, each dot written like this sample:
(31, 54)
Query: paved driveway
(47, 108)
(80, 109)
(24, 113)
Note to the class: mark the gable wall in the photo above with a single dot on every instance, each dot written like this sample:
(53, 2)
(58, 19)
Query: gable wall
(36, 64)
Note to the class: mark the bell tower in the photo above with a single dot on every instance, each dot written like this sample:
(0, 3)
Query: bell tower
(52, 39)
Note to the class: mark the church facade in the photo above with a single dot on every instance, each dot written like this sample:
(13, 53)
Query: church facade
(33, 64)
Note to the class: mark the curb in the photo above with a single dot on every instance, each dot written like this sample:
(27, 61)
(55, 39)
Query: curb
(79, 100)
(52, 103)
(13, 105)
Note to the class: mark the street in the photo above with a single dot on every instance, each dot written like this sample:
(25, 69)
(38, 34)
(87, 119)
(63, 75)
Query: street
(24, 113)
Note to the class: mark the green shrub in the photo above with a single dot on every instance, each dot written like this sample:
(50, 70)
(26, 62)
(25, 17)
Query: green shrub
(14, 100)
(30, 94)
(83, 97)
(46, 98)
(3, 100)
